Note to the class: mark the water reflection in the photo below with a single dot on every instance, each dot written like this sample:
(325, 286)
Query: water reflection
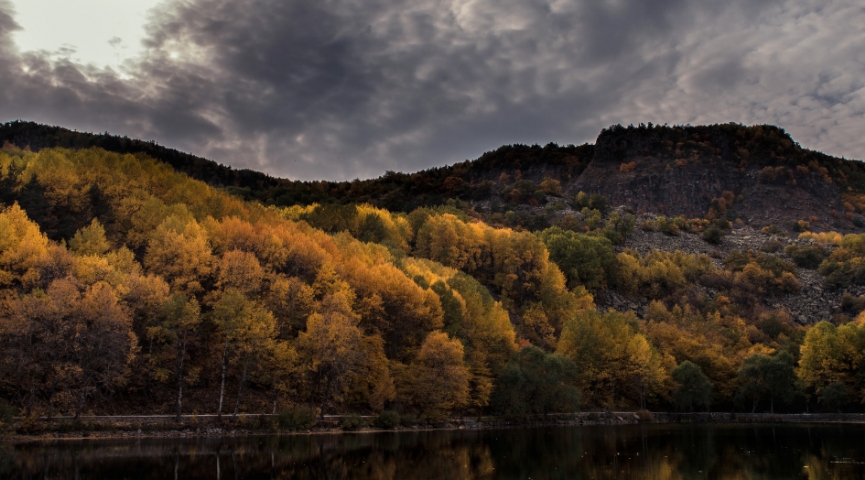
(655, 452)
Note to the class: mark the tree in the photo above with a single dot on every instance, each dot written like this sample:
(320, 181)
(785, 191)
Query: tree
(74, 344)
(439, 378)
(762, 375)
(291, 301)
(104, 345)
(332, 344)
(239, 270)
(536, 382)
(694, 389)
(278, 366)
(832, 354)
(834, 395)
(90, 240)
(181, 318)
(372, 385)
(613, 359)
(179, 251)
(35, 339)
(245, 326)
(619, 227)
(22, 248)
(586, 260)
(534, 326)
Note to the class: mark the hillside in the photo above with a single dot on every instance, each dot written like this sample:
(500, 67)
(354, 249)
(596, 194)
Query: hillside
(129, 286)
(657, 169)
(35, 137)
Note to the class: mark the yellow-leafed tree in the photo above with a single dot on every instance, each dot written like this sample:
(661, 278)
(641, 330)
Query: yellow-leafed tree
(439, 378)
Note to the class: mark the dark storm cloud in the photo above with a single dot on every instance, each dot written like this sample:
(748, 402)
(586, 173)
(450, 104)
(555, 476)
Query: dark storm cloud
(339, 89)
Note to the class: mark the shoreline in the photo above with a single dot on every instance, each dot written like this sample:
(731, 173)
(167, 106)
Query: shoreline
(108, 428)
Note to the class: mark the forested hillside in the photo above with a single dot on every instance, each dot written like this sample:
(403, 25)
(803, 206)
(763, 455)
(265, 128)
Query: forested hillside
(123, 265)
(129, 287)
(759, 174)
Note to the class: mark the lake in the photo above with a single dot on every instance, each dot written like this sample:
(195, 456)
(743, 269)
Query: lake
(592, 452)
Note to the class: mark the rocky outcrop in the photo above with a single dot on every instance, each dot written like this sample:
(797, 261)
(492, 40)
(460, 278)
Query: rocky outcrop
(689, 191)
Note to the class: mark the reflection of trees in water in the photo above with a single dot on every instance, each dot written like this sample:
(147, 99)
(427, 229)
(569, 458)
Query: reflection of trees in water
(653, 452)
(422, 455)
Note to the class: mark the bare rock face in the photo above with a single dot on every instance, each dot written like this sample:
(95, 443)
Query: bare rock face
(650, 171)
(651, 189)
(765, 204)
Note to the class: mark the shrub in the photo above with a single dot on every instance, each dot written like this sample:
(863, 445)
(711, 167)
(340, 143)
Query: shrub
(771, 246)
(774, 324)
(580, 201)
(554, 207)
(852, 304)
(800, 226)
(645, 416)
(659, 273)
(593, 218)
(713, 235)
(668, 226)
(767, 175)
(647, 225)
(737, 261)
(598, 202)
(619, 227)
(551, 187)
(299, 417)
(766, 277)
(408, 420)
(808, 256)
(722, 223)
(387, 419)
(845, 265)
(771, 230)
(352, 422)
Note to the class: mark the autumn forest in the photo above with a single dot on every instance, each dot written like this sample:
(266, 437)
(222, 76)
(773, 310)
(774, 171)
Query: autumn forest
(127, 286)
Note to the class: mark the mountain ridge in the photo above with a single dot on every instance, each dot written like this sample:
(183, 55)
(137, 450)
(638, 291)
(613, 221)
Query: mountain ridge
(678, 170)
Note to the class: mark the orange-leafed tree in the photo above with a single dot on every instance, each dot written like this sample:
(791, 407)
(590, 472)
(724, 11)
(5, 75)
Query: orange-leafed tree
(179, 251)
(439, 377)
(333, 346)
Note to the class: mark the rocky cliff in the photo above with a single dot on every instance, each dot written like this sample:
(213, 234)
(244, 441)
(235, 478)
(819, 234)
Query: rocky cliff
(681, 171)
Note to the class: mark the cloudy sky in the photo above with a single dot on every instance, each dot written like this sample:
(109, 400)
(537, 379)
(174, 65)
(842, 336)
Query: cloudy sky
(340, 89)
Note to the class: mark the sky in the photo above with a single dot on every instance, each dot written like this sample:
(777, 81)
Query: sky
(344, 89)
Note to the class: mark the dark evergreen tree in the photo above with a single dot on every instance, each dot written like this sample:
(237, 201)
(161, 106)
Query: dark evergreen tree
(694, 388)
(536, 382)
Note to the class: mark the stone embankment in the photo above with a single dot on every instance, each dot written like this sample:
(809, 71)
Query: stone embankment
(191, 426)
(726, 417)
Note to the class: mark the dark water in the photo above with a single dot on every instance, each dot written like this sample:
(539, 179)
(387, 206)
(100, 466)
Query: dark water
(624, 452)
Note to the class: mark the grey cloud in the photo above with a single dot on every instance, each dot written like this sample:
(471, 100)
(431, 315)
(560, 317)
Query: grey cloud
(338, 89)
